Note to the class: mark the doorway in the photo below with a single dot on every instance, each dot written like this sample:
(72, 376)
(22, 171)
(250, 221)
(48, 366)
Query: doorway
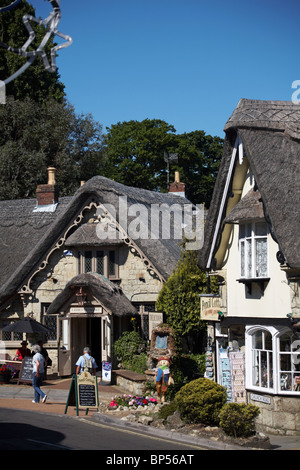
(93, 338)
(78, 332)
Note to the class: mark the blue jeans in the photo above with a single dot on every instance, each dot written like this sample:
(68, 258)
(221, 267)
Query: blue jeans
(36, 383)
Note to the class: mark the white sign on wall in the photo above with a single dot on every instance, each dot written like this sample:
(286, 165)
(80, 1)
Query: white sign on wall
(86, 310)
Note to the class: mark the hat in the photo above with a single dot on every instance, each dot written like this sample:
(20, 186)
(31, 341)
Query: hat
(164, 358)
(24, 343)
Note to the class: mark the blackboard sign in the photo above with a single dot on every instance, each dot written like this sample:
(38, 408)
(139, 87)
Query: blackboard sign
(87, 395)
(26, 370)
(83, 392)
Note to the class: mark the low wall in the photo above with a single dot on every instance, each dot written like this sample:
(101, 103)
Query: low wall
(278, 414)
(132, 382)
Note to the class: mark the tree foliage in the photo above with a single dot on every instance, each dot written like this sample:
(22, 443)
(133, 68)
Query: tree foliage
(135, 152)
(35, 136)
(36, 82)
(179, 296)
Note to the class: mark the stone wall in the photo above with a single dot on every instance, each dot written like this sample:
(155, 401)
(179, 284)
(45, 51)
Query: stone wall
(281, 416)
(132, 382)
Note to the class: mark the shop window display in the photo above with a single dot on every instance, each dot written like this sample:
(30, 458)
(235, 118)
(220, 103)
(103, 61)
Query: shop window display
(274, 360)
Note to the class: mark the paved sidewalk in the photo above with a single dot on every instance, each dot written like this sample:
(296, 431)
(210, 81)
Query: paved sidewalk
(20, 397)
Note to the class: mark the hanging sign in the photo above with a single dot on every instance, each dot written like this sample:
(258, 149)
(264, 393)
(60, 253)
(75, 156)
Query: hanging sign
(210, 307)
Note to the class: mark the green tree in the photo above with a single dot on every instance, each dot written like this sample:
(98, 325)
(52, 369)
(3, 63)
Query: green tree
(36, 82)
(135, 156)
(135, 152)
(34, 136)
(179, 297)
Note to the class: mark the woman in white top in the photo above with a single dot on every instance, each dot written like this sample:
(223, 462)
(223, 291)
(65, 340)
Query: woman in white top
(38, 362)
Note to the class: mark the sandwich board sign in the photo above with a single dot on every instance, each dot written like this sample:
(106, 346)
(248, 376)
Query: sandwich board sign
(83, 392)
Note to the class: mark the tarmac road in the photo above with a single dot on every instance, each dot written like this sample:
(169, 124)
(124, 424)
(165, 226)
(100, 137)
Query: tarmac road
(19, 397)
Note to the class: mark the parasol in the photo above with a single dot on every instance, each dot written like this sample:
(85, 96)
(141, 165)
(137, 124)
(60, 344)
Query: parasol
(26, 325)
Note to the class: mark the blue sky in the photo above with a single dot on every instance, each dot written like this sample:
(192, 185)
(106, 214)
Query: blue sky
(187, 62)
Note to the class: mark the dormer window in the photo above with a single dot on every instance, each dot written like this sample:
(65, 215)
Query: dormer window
(253, 248)
(103, 261)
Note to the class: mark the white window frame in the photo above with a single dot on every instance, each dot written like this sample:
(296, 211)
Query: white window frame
(244, 240)
(276, 333)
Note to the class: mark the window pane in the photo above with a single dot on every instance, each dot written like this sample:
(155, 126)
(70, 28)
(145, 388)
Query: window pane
(243, 258)
(249, 257)
(286, 381)
(112, 263)
(261, 257)
(242, 231)
(261, 229)
(256, 368)
(248, 230)
(88, 261)
(257, 340)
(264, 377)
(285, 362)
(268, 341)
(51, 323)
(100, 262)
(285, 342)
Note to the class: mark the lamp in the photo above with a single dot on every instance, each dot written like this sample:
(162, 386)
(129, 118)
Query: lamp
(81, 296)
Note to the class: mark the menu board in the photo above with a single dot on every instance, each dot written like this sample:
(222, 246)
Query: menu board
(26, 370)
(87, 390)
(83, 392)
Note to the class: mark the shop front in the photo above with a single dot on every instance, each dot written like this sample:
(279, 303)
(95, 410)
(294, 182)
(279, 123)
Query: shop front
(91, 312)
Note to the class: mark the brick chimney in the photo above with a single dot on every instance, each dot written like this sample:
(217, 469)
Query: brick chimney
(47, 194)
(177, 187)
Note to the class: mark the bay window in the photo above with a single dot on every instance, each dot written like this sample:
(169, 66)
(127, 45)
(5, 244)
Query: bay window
(273, 360)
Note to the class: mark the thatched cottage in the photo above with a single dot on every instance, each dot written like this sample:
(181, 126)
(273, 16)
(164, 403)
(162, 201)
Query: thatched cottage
(252, 243)
(84, 265)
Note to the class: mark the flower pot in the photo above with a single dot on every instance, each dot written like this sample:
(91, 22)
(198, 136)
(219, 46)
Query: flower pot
(4, 378)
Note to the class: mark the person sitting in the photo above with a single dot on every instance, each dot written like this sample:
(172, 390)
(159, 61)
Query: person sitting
(22, 352)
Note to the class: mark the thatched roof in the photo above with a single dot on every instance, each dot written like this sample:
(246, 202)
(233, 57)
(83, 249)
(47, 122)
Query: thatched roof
(270, 133)
(27, 236)
(108, 294)
(250, 207)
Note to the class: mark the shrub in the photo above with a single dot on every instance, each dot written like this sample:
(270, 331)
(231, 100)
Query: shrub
(238, 419)
(137, 363)
(128, 345)
(200, 401)
(167, 410)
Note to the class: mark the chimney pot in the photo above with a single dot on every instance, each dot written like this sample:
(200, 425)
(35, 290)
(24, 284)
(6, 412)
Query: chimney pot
(177, 187)
(51, 175)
